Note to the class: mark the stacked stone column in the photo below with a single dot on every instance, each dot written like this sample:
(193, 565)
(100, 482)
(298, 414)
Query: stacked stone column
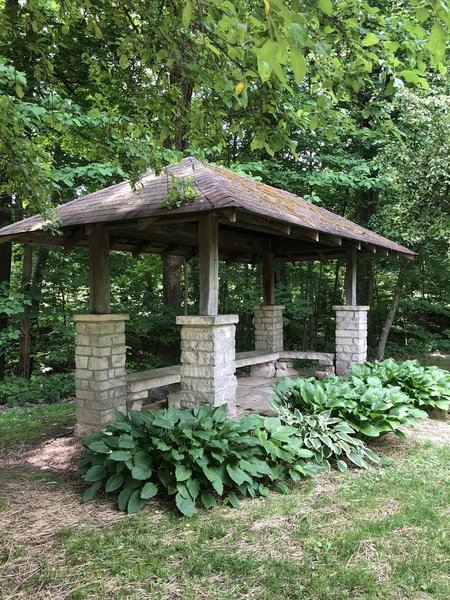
(351, 336)
(208, 361)
(100, 355)
(268, 320)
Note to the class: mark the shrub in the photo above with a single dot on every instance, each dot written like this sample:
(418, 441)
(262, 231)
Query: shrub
(40, 389)
(190, 454)
(327, 437)
(369, 408)
(426, 386)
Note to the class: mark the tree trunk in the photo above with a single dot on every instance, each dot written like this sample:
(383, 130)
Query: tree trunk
(392, 311)
(24, 368)
(172, 295)
(31, 280)
(5, 266)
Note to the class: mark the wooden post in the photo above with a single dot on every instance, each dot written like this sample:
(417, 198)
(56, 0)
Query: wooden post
(350, 276)
(208, 254)
(100, 292)
(268, 280)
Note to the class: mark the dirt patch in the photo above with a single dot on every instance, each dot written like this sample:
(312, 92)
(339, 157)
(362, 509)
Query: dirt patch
(61, 452)
(435, 429)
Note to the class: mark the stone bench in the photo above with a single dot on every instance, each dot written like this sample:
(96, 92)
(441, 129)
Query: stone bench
(280, 364)
(285, 362)
(139, 384)
(254, 357)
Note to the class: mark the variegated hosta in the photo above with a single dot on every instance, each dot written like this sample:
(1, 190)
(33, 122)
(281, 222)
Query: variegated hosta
(327, 437)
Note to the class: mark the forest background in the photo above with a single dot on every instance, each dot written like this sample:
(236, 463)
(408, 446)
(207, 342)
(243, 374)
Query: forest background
(344, 103)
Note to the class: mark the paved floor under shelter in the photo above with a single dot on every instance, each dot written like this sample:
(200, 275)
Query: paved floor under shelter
(253, 393)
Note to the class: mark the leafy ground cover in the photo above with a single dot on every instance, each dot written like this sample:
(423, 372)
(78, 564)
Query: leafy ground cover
(19, 424)
(376, 533)
(381, 533)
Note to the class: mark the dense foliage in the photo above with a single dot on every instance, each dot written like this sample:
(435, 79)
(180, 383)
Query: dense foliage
(191, 453)
(327, 437)
(344, 103)
(41, 389)
(428, 387)
(368, 407)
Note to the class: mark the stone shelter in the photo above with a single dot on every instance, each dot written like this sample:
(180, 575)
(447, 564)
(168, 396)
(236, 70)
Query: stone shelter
(195, 209)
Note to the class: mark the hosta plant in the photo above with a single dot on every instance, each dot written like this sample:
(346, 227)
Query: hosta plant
(369, 408)
(328, 437)
(195, 456)
(426, 386)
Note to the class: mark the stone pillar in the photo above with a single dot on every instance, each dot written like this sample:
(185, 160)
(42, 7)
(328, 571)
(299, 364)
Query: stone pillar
(208, 361)
(268, 336)
(100, 355)
(351, 336)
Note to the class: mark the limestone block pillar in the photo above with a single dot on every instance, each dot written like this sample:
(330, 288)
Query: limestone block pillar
(208, 361)
(268, 320)
(100, 355)
(351, 336)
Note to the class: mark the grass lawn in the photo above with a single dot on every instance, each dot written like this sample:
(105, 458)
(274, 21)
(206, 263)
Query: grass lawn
(378, 534)
(18, 424)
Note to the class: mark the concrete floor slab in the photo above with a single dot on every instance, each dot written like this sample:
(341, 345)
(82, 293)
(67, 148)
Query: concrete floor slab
(252, 395)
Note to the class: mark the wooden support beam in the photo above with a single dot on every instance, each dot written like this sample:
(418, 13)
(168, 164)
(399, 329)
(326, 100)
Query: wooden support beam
(73, 240)
(268, 279)
(351, 261)
(208, 246)
(330, 238)
(99, 281)
(307, 234)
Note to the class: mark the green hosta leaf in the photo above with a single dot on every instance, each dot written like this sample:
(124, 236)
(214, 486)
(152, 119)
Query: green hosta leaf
(114, 482)
(135, 502)
(303, 453)
(357, 460)
(208, 500)
(95, 473)
(237, 474)
(99, 446)
(218, 485)
(123, 498)
(283, 487)
(120, 455)
(193, 487)
(370, 40)
(185, 505)
(373, 457)
(264, 490)
(90, 492)
(342, 466)
(126, 441)
(442, 404)
(369, 430)
(232, 499)
(141, 472)
(149, 490)
(182, 473)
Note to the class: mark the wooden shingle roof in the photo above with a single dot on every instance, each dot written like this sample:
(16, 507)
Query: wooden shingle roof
(137, 218)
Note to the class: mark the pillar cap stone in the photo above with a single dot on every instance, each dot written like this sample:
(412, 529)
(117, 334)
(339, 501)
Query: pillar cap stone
(100, 318)
(351, 308)
(202, 320)
(269, 307)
